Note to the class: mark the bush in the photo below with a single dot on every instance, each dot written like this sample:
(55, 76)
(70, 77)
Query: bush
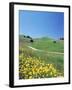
(24, 36)
(28, 37)
(31, 40)
(54, 41)
(62, 38)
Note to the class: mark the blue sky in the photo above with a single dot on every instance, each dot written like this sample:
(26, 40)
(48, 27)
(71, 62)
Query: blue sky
(41, 24)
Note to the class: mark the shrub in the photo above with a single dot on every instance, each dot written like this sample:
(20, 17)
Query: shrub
(61, 38)
(31, 40)
(28, 37)
(54, 41)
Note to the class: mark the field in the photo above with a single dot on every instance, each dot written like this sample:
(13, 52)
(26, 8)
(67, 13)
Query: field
(40, 58)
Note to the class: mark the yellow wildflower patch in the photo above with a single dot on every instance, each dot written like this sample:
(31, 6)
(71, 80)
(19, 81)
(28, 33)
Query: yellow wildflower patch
(34, 67)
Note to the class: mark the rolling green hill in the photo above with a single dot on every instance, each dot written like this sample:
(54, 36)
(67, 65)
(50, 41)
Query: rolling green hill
(47, 45)
(44, 44)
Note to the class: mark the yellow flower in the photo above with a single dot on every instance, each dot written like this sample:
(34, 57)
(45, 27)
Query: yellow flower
(30, 73)
(31, 67)
(27, 65)
(30, 77)
(50, 73)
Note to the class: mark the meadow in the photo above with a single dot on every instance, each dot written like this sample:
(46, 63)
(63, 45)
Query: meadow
(46, 60)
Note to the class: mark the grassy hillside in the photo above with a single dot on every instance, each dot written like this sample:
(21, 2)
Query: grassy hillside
(48, 45)
(28, 55)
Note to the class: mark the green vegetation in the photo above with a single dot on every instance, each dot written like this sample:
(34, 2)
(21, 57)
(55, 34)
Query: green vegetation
(34, 63)
(48, 45)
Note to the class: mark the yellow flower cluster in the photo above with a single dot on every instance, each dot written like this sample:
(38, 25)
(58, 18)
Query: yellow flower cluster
(33, 67)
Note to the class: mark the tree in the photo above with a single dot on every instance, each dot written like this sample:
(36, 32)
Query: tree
(28, 37)
(54, 41)
(24, 36)
(31, 40)
(62, 38)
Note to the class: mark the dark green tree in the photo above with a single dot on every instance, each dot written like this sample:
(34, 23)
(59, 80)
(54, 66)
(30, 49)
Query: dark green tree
(32, 40)
(54, 41)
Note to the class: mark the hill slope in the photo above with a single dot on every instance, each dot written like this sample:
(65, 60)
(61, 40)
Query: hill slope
(48, 45)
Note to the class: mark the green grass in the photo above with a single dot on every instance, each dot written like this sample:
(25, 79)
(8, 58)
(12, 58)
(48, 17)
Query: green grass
(47, 45)
(56, 59)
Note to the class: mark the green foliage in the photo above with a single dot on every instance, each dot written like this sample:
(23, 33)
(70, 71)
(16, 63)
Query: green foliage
(33, 67)
(34, 64)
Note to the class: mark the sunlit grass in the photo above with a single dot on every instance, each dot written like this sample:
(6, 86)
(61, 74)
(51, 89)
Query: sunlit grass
(33, 66)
